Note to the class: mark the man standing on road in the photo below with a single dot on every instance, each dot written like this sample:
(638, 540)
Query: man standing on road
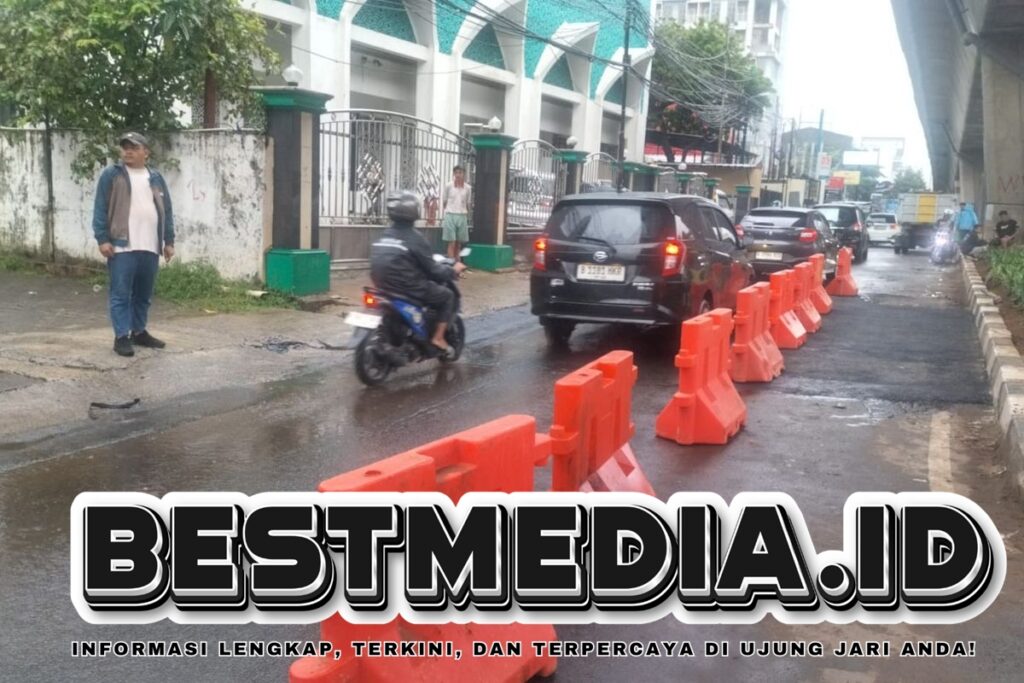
(455, 204)
(133, 224)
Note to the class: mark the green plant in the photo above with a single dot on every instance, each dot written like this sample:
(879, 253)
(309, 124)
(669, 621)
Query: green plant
(199, 285)
(16, 262)
(108, 66)
(1007, 268)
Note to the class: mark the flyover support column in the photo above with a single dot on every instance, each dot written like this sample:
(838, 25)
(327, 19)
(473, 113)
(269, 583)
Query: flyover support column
(1003, 98)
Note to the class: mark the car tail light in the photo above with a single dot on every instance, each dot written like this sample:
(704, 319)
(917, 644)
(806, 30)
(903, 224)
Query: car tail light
(808, 235)
(675, 256)
(856, 227)
(739, 231)
(540, 249)
(893, 226)
(369, 300)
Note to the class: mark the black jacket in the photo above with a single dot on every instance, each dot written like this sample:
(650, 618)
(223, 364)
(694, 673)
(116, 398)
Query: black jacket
(1006, 228)
(402, 261)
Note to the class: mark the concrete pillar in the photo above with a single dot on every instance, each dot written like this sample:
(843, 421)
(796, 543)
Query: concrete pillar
(439, 90)
(573, 160)
(490, 191)
(293, 122)
(742, 201)
(330, 43)
(1003, 104)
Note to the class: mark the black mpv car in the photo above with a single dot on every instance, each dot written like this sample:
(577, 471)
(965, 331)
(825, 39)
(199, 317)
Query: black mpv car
(640, 258)
(850, 225)
(782, 237)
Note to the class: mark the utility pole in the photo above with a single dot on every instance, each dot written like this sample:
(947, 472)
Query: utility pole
(626, 66)
(820, 147)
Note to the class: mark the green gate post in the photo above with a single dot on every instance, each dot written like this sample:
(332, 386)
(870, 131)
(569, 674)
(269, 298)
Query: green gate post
(490, 203)
(684, 182)
(294, 264)
(573, 160)
(709, 185)
(743, 201)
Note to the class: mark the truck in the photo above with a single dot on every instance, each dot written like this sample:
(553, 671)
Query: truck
(918, 212)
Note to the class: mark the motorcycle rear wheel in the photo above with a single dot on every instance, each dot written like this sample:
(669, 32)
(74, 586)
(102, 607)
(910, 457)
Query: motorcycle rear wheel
(456, 338)
(372, 366)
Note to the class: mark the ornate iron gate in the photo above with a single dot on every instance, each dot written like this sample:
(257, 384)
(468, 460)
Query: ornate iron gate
(599, 171)
(666, 182)
(366, 154)
(536, 182)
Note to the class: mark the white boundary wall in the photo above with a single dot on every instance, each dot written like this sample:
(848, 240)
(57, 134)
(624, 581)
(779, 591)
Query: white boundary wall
(217, 192)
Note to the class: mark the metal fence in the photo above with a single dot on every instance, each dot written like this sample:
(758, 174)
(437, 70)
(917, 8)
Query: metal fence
(536, 182)
(666, 182)
(599, 169)
(366, 154)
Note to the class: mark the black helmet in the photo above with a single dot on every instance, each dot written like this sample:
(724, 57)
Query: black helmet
(403, 207)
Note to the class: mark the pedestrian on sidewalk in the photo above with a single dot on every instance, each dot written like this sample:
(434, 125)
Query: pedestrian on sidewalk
(966, 221)
(455, 205)
(1006, 230)
(133, 223)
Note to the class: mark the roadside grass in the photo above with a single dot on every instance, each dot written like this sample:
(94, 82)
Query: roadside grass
(1007, 268)
(190, 285)
(16, 262)
(199, 285)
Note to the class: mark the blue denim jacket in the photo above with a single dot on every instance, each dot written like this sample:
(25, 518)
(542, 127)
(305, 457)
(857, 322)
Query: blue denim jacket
(113, 203)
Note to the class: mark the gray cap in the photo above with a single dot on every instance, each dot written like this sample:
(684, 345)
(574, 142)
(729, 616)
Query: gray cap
(135, 139)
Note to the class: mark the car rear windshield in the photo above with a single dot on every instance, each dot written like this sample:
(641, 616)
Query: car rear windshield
(841, 216)
(617, 223)
(778, 218)
(883, 218)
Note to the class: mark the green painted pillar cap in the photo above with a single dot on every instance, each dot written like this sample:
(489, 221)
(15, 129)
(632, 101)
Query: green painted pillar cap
(684, 177)
(711, 182)
(493, 141)
(744, 189)
(291, 97)
(572, 156)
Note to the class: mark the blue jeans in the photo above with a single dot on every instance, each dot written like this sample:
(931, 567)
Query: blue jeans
(132, 277)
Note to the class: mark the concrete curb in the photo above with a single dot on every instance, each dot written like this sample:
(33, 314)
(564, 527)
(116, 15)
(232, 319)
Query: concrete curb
(1005, 368)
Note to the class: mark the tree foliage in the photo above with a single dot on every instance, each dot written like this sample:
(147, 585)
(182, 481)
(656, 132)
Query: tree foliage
(909, 180)
(107, 66)
(703, 80)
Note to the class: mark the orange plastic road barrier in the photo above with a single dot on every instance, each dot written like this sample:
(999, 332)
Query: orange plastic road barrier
(802, 304)
(496, 456)
(592, 426)
(819, 297)
(706, 408)
(786, 329)
(843, 284)
(755, 355)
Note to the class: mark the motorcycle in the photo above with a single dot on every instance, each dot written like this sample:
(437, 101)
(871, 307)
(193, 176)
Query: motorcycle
(944, 248)
(394, 330)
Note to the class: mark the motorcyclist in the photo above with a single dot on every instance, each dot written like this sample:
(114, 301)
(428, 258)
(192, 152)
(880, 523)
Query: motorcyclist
(401, 261)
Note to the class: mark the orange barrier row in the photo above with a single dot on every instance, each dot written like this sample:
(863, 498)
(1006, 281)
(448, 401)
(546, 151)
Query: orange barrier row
(786, 329)
(802, 305)
(592, 426)
(706, 408)
(843, 284)
(755, 355)
(496, 456)
(819, 297)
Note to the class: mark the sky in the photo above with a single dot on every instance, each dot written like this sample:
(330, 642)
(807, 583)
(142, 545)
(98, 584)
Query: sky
(844, 56)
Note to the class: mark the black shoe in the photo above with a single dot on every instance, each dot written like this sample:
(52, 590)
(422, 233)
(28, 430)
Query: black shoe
(123, 346)
(146, 339)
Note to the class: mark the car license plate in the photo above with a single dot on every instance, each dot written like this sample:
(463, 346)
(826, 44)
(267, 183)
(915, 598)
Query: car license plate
(768, 256)
(590, 271)
(358, 319)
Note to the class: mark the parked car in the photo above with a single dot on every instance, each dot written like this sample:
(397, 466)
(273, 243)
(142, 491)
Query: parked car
(641, 258)
(883, 227)
(778, 238)
(849, 224)
(530, 197)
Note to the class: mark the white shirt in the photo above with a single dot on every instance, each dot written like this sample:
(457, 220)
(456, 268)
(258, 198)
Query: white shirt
(143, 220)
(456, 199)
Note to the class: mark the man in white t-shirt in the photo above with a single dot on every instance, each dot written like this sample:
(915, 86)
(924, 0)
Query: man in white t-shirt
(133, 224)
(455, 204)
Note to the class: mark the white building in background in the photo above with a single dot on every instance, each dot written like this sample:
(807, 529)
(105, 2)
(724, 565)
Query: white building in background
(890, 153)
(458, 62)
(759, 25)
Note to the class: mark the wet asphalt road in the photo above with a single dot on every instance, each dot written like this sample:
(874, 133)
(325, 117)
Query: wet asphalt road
(858, 408)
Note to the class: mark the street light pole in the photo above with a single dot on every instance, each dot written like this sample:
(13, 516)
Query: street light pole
(625, 90)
